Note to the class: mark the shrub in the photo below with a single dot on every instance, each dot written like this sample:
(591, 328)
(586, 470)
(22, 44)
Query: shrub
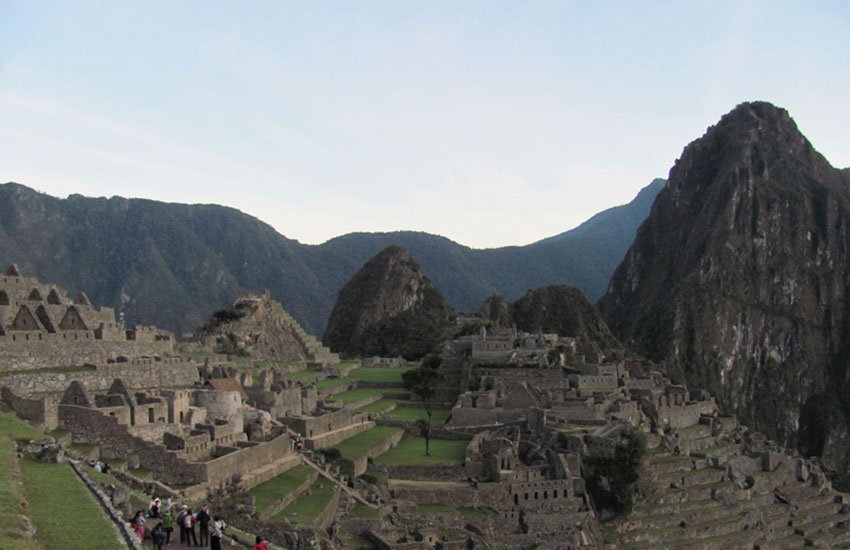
(612, 481)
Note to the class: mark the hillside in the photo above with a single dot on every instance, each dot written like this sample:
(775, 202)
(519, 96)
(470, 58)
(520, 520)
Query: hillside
(739, 279)
(172, 265)
(389, 308)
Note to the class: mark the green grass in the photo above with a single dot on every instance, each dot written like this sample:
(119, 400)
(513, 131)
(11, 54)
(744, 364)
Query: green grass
(344, 364)
(412, 415)
(300, 374)
(331, 382)
(357, 446)
(64, 512)
(371, 374)
(379, 406)
(280, 486)
(352, 396)
(307, 507)
(11, 494)
(411, 452)
(361, 511)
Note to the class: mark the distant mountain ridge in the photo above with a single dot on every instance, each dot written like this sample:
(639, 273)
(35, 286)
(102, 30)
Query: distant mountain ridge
(172, 265)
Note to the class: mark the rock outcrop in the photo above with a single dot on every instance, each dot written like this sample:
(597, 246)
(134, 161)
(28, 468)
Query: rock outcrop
(257, 326)
(739, 279)
(389, 308)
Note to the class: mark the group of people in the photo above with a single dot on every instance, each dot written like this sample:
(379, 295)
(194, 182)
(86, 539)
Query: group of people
(295, 443)
(169, 514)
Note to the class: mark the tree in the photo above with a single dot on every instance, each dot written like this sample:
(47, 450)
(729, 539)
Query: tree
(423, 382)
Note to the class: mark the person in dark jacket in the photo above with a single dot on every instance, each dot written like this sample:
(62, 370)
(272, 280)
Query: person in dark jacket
(203, 519)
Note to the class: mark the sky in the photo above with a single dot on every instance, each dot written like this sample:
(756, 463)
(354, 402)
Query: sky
(491, 123)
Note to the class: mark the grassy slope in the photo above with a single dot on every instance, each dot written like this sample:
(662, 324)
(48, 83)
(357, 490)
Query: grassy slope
(357, 446)
(12, 500)
(280, 486)
(64, 510)
(309, 505)
(411, 452)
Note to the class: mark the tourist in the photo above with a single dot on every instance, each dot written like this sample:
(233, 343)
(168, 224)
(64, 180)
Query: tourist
(260, 544)
(168, 523)
(97, 467)
(139, 524)
(189, 523)
(158, 536)
(215, 539)
(180, 519)
(106, 468)
(153, 508)
(203, 519)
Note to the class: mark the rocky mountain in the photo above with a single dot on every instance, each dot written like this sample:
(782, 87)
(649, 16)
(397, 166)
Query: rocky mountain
(389, 308)
(739, 279)
(258, 327)
(561, 309)
(172, 265)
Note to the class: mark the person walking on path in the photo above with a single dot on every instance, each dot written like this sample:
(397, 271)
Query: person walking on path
(180, 519)
(203, 520)
(215, 538)
(158, 536)
(139, 524)
(168, 524)
(189, 522)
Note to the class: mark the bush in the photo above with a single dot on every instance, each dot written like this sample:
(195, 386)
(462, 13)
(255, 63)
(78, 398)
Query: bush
(612, 481)
(369, 478)
(331, 454)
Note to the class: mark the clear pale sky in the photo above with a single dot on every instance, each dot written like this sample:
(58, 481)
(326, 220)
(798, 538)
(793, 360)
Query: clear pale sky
(492, 123)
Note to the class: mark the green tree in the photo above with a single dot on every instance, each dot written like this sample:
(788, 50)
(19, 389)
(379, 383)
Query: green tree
(612, 481)
(424, 382)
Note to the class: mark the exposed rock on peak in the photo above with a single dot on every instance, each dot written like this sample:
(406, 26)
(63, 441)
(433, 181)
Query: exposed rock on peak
(389, 308)
(739, 279)
(258, 326)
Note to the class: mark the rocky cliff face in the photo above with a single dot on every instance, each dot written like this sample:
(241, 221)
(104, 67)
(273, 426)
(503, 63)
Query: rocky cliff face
(389, 308)
(738, 280)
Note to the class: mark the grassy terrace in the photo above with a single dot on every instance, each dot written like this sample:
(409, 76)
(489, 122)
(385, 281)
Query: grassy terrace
(300, 374)
(379, 406)
(344, 365)
(351, 396)
(411, 452)
(361, 511)
(407, 413)
(369, 374)
(357, 446)
(280, 486)
(331, 383)
(310, 504)
(11, 495)
(64, 512)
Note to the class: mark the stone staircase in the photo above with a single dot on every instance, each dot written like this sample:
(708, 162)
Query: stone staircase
(314, 350)
(697, 501)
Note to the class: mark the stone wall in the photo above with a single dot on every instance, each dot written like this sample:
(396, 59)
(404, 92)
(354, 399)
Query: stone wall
(24, 350)
(137, 375)
(289, 498)
(335, 437)
(356, 467)
(44, 413)
(247, 459)
(428, 473)
(126, 532)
